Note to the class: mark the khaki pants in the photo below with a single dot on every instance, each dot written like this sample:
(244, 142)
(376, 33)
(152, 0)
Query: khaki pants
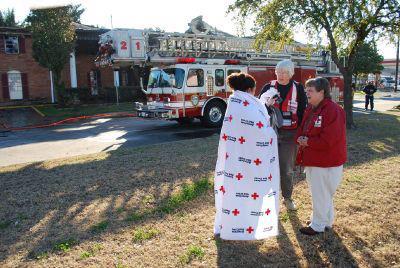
(323, 183)
(287, 156)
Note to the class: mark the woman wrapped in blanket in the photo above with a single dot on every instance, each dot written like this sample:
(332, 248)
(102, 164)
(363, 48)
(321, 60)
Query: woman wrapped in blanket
(247, 170)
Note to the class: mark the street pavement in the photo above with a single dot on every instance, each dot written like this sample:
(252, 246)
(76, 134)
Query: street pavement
(92, 136)
(107, 134)
(383, 101)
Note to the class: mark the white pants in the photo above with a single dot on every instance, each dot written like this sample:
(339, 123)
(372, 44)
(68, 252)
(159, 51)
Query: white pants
(323, 183)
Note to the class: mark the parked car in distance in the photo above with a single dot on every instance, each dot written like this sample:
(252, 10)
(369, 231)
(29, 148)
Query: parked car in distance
(387, 82)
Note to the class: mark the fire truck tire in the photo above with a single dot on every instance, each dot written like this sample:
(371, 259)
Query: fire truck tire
(213, 114)
(185, 120)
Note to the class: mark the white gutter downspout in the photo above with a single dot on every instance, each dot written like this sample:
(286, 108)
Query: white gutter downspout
(72, 70)
(116, 83)
(52, 87)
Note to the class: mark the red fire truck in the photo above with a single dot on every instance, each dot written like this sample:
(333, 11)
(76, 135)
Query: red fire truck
(188, 78)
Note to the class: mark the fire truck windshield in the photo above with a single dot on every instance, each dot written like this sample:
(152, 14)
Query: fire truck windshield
(171, 77)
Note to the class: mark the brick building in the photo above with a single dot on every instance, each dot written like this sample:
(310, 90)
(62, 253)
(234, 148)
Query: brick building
(22, 79)
(21, 75)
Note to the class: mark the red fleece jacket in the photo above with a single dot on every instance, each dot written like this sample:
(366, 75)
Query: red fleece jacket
(325, 127)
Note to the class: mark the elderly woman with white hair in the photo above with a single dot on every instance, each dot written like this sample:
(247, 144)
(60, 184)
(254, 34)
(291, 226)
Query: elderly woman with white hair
(291, 100)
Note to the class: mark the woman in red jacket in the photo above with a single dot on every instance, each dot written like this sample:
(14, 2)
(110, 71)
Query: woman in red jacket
(322, 141)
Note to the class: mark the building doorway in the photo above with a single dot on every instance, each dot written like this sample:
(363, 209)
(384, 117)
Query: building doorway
(15, 85)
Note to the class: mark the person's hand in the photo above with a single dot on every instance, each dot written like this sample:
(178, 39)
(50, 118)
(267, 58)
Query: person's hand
(268, 97)
(302, 141)
(270, 102)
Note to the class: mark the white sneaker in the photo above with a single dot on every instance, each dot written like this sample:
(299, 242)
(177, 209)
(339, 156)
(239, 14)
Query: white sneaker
(290, 205)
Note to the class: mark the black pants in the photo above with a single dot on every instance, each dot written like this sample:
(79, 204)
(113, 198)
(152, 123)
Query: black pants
(369, 99)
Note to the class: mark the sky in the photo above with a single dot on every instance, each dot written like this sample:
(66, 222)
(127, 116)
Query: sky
(168, 15)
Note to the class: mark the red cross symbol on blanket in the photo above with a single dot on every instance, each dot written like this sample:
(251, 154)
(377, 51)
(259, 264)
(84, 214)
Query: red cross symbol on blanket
(257, 161)
(245, 103)
(270, 177)
(250, 229)
(270, 141)
(259, 124)
(222, 189)
(255, 196)
(230, 118)
(242, 140)
(236, 212)
(224, 137)
(226, 155)
(268, 211)
(239, 176)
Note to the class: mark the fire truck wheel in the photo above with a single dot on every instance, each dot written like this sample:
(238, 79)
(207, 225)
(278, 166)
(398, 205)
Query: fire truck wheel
(185, 120)
(213, 114)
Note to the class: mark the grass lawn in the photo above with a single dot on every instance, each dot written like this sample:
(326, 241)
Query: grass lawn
(89, 109)
(154, 207)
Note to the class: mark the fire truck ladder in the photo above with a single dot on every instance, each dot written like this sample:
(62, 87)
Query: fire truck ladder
(222, 47)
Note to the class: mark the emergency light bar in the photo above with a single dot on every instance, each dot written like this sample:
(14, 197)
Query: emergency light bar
(232, 62)
(185, 60)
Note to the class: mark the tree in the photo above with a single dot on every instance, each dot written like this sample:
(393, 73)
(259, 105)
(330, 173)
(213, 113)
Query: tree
(53, 36)
(367, 60)
(7, 18)
(76, 12)
(346, 24)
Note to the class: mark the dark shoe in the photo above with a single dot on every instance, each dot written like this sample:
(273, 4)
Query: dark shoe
(327, 228)
(309, 231)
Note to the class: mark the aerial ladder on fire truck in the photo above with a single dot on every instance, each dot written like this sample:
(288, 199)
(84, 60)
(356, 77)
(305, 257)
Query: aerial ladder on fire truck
(149, 47)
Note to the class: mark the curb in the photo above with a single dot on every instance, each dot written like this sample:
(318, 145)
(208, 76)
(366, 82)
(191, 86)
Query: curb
(69, 120)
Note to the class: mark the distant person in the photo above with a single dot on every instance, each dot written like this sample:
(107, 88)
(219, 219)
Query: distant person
(246, 180)
(369, 91)
(322, 152)
(292, 103)
(353, 88)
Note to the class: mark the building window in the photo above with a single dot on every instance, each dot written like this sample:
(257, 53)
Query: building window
(219, 77)
(11, 44)
(15, 85)
(195, 78)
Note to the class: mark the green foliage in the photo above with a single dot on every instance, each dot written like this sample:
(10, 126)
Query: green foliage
(65, 246)
(346, 24)
(4, 224)
(7, 18)
(192, 253)
(188, 193)
(53, 36)
(368, 60)
(85, 255)
(140, 234)
(99, 227)
(92, 251)
(135, 217)
(76, 11)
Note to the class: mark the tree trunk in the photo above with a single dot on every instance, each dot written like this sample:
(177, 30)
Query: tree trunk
(348, 100)
(58, 91)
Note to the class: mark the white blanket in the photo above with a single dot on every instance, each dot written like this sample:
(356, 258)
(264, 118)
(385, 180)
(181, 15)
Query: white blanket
(246, 177)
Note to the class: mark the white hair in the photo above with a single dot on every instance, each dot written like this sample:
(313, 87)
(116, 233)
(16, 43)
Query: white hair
(286, 65)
